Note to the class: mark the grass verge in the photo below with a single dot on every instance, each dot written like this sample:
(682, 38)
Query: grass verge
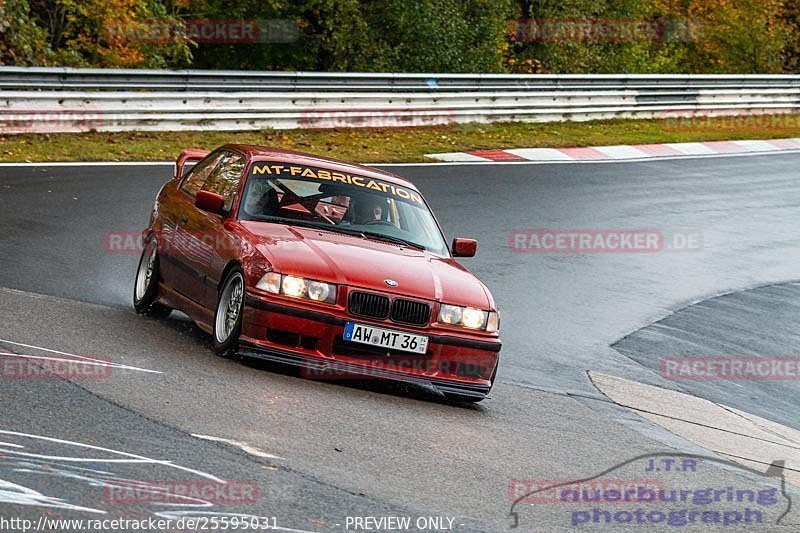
(396, 145)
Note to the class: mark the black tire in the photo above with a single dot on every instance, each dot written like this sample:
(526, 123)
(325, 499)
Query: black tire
(145, 286)
(230, 301)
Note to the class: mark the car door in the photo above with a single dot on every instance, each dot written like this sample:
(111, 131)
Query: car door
(177, 259)
(211, 244)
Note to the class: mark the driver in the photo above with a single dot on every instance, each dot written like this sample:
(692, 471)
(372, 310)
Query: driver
(369, 208)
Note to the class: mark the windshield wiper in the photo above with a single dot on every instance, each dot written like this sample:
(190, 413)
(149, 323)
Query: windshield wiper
(293, 222)
(339, 229)
(390, 238)
(368, 234)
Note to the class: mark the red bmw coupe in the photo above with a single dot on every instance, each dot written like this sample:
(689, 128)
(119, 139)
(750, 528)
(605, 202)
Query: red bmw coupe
(338, 268)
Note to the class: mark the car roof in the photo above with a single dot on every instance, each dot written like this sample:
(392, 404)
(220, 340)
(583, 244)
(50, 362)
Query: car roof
(263, 153)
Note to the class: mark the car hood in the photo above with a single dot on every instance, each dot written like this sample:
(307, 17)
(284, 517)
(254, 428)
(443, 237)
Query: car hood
(358, 262)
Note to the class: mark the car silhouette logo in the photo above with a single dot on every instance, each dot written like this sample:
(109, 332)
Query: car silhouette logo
(391, 282)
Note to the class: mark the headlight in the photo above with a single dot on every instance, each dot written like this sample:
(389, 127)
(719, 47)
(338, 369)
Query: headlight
(450, 314)
(468, 317)
(319, 291)
(297, 287)
(473, 318)
(293, 286)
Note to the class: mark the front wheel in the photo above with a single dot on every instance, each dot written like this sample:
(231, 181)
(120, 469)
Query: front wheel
(145, 289)
(228, 318)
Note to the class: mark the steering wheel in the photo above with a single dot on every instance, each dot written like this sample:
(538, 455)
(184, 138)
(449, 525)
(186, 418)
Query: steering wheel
(375, 222)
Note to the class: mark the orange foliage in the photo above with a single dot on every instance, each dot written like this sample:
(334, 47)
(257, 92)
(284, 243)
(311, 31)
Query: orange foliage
(733, 35)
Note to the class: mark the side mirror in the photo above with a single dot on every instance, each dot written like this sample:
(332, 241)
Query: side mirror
(209, 201)
(464, 247)
(190, 154)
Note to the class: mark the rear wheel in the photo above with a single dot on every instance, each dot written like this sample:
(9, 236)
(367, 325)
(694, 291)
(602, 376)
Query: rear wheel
(145, 289)
(228, 318)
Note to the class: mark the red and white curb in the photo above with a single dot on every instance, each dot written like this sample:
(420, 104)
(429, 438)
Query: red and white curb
(622, 152)
(637, 152)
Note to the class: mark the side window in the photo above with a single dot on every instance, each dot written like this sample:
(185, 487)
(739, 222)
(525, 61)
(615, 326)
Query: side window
(224, 178)
(199, 174)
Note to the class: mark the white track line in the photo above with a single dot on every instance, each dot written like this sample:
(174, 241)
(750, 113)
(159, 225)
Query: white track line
(585, 162)
(131, 458)
(81, 357)
(82, 361)
(241, 445)
(431, 164)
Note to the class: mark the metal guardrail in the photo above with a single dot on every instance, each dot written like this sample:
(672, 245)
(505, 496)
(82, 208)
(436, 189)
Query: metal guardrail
(64, 99)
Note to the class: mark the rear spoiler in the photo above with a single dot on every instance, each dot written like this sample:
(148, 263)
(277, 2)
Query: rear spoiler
(190, 154)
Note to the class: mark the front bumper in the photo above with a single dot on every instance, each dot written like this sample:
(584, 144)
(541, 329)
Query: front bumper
(313, 340)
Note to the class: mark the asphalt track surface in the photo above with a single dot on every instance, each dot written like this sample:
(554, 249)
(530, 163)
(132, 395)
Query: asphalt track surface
(320, 452)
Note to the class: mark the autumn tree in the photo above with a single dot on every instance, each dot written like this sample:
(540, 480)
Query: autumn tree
(22, 42)
(791, 52)
(98, 33)
(734, 36)
(599, 36)
(365, 35)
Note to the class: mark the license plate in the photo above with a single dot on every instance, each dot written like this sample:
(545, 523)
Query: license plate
(385, 338)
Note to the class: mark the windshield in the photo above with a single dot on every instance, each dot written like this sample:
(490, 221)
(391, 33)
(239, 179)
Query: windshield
(337, 201)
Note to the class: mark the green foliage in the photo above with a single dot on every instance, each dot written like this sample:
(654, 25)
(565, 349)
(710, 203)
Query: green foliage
(244, 56)
(436, 36)
(76, 33)
(697, 36)
(731, 36)
(650, 50)
(22, 42)
(703, 36)
(791, 51)
(367, 35)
